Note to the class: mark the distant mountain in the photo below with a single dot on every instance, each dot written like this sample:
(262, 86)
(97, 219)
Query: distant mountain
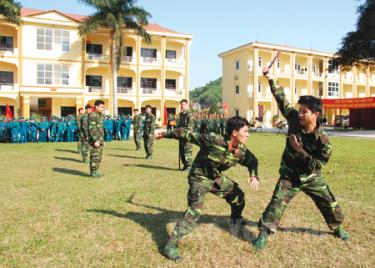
(208, 94)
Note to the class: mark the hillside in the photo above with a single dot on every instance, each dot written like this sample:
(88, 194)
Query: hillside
(208, 94)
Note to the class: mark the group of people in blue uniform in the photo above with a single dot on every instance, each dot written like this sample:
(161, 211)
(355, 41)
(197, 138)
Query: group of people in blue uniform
(58, 129)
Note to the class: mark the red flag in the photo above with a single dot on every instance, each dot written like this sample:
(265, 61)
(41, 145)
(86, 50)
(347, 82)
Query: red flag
(165, 119)
(8, 112)
(225, 108)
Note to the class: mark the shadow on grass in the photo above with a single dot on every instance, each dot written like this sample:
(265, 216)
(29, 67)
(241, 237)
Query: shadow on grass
(150, 166)
(303, 230)
(156, 223)
(70, 171)
(66, 151)
(120, 149)
(126, 156)
(68, 159)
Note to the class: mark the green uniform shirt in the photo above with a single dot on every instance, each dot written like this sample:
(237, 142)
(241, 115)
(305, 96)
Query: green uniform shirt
(316, 146)
(214, 155)
(95, 128)
(149, 125)
(185, 120)
(137, 122)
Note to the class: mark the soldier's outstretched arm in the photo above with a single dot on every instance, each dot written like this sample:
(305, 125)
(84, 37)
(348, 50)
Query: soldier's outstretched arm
(183, 134)
(278, 92)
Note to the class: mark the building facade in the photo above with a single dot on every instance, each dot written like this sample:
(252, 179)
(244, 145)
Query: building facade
(299, 71)
(48, 69)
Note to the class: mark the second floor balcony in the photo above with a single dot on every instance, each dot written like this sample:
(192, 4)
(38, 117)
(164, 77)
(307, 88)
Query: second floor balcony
(94, 89)
(150, 91)
(150, 60)
(125, 90)
(127, 59)
(97, 57)
(7, 87)
(173, 92)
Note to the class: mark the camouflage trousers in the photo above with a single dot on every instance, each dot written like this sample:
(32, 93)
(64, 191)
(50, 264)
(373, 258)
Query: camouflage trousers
(95, 158)
(185, 152)
(222, 187)
(315, 187)
(83, 147)
(137, 138)
(148, 144)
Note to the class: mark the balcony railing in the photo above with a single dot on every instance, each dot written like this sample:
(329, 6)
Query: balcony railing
(175, 62)
(94, 89)
(301, 72)
(150, 90)
(91, 56)
(150, 60)
(127, 59)
(124, 90)
(173, 91)
(7, 87)
(317, 74)
(6, 49)
(283, 71)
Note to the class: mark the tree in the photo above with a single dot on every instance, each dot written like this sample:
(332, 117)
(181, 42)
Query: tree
(214, 109)
(117, 15)
(11, 10)
(358, 47)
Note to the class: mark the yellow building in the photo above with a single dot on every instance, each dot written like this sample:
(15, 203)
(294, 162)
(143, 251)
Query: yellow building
(299, 71)
(46, 68)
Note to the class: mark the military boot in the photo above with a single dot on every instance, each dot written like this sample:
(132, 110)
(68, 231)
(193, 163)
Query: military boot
(95, 174)
(261, 241)
(340, 232)
(171, 251)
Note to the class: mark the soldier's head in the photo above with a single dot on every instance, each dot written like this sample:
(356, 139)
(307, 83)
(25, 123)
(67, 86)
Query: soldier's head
(148, 109)
(136, 112)
(184, 104)
(81, 111)
(310, 109)
(238, 130)
(88, 108)
(99, 106)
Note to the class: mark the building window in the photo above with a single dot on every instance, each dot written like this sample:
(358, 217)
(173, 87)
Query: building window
(148, 83)
(93, 81)
(260, 62)
(170, 83)
(237, 89)
(128, 51)
(60, 38)
(148, 52)
(237, 65)
(259, 87)
(278, 64)
(124, 82)
(95, 49)
(68, 110)
(333, 89)
(296, 90)
(314, 69)
(6, 42)
(6, 78)
(170, 54)
(57, 74)
(237, 112)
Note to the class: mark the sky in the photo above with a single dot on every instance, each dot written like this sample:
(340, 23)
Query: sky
(218, 25)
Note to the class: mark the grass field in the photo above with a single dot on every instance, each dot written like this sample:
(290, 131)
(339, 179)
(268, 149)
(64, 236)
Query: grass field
(53, 215)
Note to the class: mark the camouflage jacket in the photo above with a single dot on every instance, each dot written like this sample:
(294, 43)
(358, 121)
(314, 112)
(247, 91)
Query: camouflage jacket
(95, 128)
(316, 146)
(185, 120)
(137, 122)
(84, 125)
(214, 155)
(149, 125)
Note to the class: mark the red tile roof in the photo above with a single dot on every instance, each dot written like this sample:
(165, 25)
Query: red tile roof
(153, 27)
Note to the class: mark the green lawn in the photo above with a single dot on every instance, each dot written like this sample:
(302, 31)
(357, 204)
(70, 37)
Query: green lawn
(53, 215)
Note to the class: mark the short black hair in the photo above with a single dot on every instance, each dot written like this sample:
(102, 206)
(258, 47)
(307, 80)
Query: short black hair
(135, 110)
(148, 106)
(236, 123)
(88, 106)
(313, 103)
(184, 100)
(98, 102)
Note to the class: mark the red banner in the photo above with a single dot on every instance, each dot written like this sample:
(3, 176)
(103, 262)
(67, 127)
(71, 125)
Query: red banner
(356, 103)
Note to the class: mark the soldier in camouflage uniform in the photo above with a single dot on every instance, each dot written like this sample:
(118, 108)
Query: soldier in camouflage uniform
(307, 150)
(137, 128)
(148, 132)
(83, 128)
(217, 153)
(185, 148)
(96, 137)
